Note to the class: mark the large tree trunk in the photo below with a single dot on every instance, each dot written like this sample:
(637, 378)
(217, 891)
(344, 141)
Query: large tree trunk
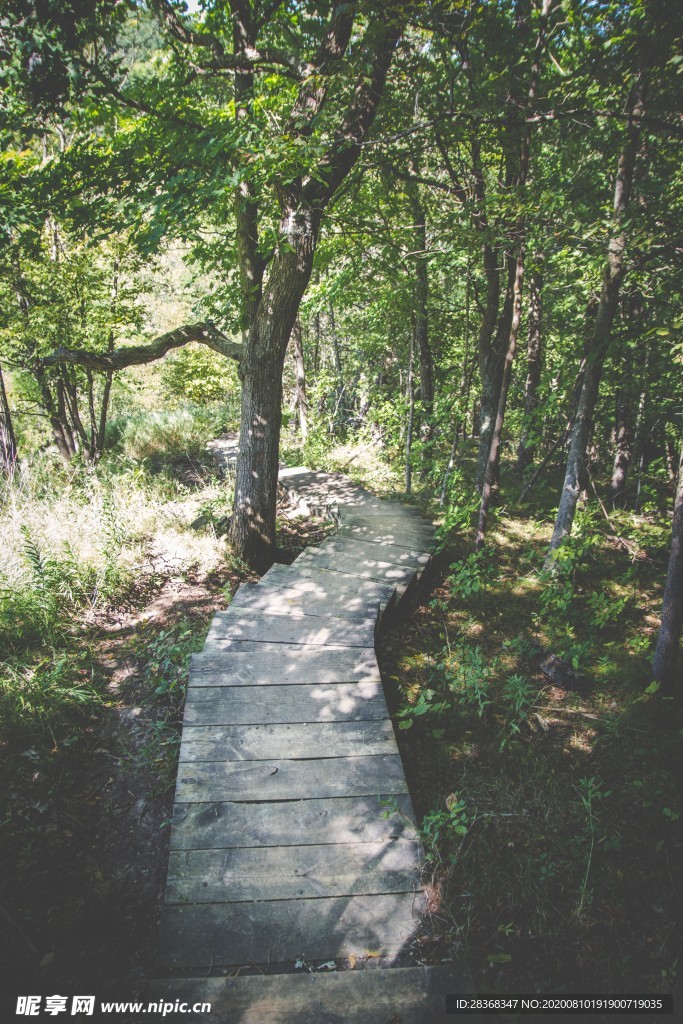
(253, 528)
(666, 651)
(8, 442)
(302, 203)
(534, 364)
(615, 270)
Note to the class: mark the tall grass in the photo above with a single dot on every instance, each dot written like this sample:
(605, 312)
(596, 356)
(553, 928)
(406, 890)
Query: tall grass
(75, 543)
(165, 437)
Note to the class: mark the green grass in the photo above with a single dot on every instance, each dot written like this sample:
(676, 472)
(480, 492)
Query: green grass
(568, 872)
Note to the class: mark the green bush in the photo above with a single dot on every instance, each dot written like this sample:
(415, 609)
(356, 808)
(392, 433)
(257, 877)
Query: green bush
(197, 374)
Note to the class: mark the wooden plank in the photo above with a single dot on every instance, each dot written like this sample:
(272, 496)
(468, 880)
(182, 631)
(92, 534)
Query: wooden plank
(280, 779)
(397, 995)
(350, 551)
(281, 931)
(262, 664)
(324, 584)
(380, 507)
(299, 603)
(310, 630)
(363, 568)
(396, 536)
(244, 705)
(221, 825)
(383, 515)
(293, 872)
(302, 740)
(400, 554)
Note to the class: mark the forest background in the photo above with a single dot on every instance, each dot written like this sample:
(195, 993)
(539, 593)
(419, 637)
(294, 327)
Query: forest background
(435, 246)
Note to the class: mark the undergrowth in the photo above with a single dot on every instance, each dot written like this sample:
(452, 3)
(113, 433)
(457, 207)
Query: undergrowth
(549, 805)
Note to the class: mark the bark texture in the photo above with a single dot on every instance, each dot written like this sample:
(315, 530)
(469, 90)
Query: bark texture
(622, 449)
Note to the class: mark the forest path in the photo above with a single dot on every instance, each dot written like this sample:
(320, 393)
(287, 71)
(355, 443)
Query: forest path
(294, 843)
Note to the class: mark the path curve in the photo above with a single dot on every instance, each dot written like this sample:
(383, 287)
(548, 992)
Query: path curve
(294, 840)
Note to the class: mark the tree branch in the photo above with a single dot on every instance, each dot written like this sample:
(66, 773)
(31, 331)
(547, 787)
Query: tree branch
(313, 92)
(346, 147)
(204, 333)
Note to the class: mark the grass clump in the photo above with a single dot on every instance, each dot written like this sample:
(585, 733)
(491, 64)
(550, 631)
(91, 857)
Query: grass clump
(166, 438)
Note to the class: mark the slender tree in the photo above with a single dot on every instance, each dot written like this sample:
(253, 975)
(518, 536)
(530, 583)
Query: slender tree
(613, 275)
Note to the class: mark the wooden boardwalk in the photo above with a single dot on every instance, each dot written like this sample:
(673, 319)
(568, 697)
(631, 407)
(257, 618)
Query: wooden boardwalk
(294, 842)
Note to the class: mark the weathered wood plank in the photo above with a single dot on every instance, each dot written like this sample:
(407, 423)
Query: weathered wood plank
(293, 872)
(371, 569)
(263, 664)
(302, 740)
(352, 548)
(400, 537)
(221, 825)
(326, 585)
(385, 515)
(244, 705)
(310, 630)
(279, 931)
(372, 506)
(279, 779)
(299, 603)
(400, 995)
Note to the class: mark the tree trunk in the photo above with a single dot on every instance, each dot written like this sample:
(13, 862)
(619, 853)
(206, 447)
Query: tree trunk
(253, 527)
(622, 454)
(421, 328)
(302, 203)
(336, 354)
(8, 442)
(534, 362)
(492, 468)
(493, 328)
(614, 272)
(300, 401)
(493, 460)
(411, 418)
(666, 651)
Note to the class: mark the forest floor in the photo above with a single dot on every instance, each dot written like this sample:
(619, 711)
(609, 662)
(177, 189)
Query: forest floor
(85, 815)
(551, 814)
(551, 808)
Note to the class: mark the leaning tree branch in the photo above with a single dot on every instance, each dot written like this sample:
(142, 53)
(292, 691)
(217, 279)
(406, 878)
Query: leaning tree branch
(247, 59)
(205, 333)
